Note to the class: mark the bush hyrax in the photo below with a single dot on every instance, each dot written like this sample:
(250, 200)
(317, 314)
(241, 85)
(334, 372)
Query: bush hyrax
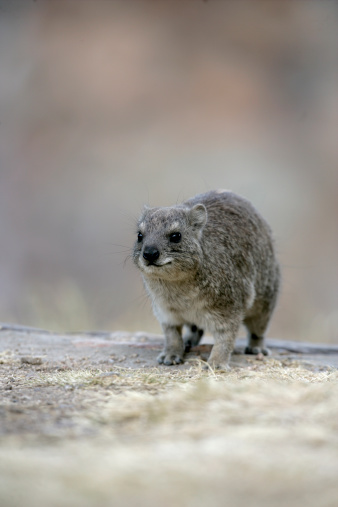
(208, 263)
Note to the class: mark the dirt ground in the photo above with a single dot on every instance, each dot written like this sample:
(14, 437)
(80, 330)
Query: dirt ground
(90, 419)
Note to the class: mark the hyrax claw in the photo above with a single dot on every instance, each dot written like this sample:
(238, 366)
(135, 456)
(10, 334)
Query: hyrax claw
(168, 359)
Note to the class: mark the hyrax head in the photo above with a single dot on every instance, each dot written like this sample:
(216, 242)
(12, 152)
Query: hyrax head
(167, 244)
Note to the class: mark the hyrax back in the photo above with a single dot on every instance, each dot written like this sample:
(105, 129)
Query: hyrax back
(208, 263)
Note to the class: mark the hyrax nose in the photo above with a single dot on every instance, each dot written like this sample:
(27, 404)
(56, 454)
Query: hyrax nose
(150, 253)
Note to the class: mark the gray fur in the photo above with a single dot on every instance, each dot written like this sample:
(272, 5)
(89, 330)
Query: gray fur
(221, 273)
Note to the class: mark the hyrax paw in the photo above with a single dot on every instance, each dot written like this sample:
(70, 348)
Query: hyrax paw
(169, 359)
(257, 350)
(216, 366)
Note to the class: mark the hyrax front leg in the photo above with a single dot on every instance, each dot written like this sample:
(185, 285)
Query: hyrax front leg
(173, 346)
(224, 344)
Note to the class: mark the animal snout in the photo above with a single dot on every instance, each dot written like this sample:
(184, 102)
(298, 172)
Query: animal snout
(151, 254)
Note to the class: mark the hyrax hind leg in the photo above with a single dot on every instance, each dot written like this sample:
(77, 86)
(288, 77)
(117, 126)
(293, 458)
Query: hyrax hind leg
(192, 336)
(260, 314)
(258, 319)
(256, 345)
(256, 326)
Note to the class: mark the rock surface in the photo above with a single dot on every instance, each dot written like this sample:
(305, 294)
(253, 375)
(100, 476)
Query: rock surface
(91, 418)
(135, 350)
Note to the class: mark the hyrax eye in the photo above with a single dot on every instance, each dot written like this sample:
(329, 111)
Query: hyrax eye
(175, 237)
(139, 237)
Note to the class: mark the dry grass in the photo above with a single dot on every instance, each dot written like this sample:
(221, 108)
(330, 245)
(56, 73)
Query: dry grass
(7, 357)
(265, 436)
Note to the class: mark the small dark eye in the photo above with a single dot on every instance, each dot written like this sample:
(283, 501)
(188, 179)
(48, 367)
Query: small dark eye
(175, 237)
(139, 237)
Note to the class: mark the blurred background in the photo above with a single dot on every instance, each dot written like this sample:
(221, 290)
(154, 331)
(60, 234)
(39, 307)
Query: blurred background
(107, 105)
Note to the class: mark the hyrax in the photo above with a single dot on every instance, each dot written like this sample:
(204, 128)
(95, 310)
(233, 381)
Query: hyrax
(208, 263)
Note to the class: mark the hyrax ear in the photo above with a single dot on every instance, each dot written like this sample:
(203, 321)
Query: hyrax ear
(145, 210)
(198, 216)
